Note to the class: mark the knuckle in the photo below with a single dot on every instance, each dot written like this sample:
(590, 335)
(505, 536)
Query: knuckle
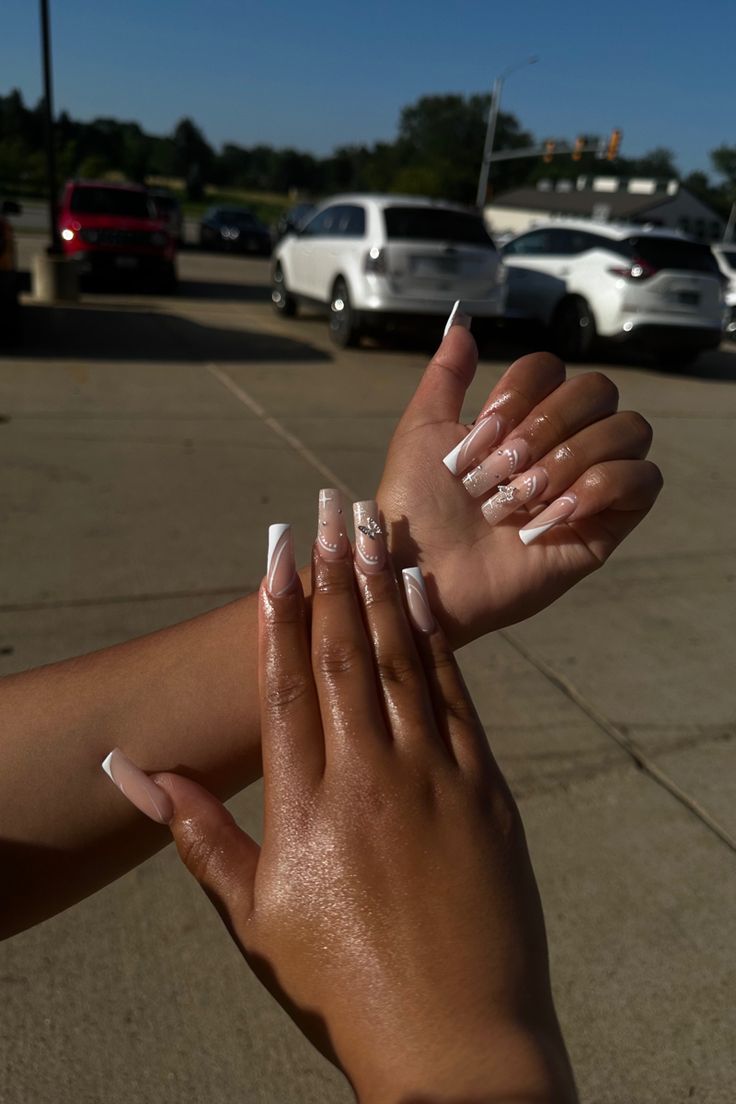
(397, 669)
(605, 389)
(197, 853)
(336, 656)
(285, 688)
(640, 429)
(504, 813)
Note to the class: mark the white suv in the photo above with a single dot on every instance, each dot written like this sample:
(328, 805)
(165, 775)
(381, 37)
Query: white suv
(372, 259)
(725, 256)
(650, 286)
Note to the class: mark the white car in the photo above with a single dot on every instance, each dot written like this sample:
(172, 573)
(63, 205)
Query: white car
(625, 283)
(372, 259)
(725, 256)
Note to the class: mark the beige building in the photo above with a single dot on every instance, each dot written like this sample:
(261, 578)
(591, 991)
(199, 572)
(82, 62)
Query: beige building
(605, 198)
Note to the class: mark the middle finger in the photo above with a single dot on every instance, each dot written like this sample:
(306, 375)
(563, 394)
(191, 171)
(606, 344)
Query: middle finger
(573, 405)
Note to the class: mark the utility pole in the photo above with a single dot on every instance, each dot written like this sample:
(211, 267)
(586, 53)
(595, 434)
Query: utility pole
(55, 247)
(485, 165)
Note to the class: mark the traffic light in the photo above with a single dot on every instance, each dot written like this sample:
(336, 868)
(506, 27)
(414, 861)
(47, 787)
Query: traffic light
(578, 148)
(549, 151)
(613, 144)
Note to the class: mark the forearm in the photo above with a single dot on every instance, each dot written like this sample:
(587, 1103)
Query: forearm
(183, 699)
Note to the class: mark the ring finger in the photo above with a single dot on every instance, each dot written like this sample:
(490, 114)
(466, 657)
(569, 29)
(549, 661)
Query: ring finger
(577, 403)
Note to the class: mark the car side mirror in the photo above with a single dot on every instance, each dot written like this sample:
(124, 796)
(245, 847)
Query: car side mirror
(10, 207)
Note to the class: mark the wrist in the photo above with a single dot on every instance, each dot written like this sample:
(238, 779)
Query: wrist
(498, 1067)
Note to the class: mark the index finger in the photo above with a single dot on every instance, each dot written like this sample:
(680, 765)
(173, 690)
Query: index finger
(292, 745)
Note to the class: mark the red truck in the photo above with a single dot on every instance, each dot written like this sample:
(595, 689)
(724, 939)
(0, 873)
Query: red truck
(115, 229)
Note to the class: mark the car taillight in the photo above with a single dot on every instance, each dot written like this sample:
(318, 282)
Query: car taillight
(375, 261)
(637, 270)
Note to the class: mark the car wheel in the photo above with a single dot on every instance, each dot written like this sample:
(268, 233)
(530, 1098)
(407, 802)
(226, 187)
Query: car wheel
(283, 302)
(344, 321)
(573, 329)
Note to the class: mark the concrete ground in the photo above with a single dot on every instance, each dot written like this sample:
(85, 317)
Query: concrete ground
(137, 489)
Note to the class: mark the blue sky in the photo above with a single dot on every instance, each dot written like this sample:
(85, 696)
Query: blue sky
(314, 77)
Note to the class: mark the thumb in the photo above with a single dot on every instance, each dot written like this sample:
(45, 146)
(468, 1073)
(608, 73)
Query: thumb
(215, 850)
(441, 391)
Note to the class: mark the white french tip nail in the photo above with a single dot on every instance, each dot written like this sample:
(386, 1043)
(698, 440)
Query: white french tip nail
(106, 765)
(450, 461)
(457, 317)
(275, 533)
(529, 535)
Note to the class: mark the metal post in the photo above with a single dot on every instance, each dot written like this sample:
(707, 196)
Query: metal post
(55, 247)
(485, 165)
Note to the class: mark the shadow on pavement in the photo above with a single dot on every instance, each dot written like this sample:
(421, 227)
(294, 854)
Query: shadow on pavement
(208, 289)
(92, 332)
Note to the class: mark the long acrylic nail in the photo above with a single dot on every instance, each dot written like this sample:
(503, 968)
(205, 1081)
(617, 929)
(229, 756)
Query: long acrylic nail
(458, 317)
(370, 542)
(473, 448)
(135, 784)
(332, 540)
(521, 490)
(497, 468)
(280, 565)
(557, 511)
(416, 599)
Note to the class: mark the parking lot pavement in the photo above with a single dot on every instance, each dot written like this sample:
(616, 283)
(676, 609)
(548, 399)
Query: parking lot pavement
(146, 444)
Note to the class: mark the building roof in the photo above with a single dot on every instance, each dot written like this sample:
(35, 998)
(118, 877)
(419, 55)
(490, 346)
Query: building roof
(582, 201)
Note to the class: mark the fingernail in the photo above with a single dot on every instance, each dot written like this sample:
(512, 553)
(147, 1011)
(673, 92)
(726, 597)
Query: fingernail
(370, 542)
(416, 599)
(332, 540)
(280, 566)
(497, 468)
(517, 493)
(473, 448)
(457, 317)
(135, 784)
(557, 511)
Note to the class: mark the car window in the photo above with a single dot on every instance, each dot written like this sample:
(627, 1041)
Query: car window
(435, 224)
(349, 221)
(111, 201)
(536, 243)
(729, 256)
(323, 223)
(672, 253)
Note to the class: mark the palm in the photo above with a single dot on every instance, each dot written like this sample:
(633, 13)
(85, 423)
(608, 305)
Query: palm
(482, 578)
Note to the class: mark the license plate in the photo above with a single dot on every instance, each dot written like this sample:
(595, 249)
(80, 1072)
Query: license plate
(126, 262)
(689, 298)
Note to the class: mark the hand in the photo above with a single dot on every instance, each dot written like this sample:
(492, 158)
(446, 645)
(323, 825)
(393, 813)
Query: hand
(480, 576)
(392, 908)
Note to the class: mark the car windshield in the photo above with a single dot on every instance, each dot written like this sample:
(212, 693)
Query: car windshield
(672, 253)
(236, 218)
(165, 203)
(435, 224)
(111, 201)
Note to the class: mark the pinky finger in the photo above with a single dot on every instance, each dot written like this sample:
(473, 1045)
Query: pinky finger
(603, 506)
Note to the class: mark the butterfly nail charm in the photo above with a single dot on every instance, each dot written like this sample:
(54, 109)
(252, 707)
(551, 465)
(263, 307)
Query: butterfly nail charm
(372, 529)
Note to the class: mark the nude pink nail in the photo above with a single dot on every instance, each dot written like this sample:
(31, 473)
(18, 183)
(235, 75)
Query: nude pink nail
(332, 539)
(370, 542)
(473, 448)
(135, 784)
(497, 468)
(560, 510)
(416, 599)
(280, 565)
(519, 492)
(458, 317)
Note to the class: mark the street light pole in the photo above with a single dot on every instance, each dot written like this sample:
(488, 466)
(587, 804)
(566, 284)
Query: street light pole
(55, 247)
(485, 165)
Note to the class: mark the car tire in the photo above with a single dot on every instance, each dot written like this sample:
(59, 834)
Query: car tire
(283, 303)
(345, 329)
(572, 330)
